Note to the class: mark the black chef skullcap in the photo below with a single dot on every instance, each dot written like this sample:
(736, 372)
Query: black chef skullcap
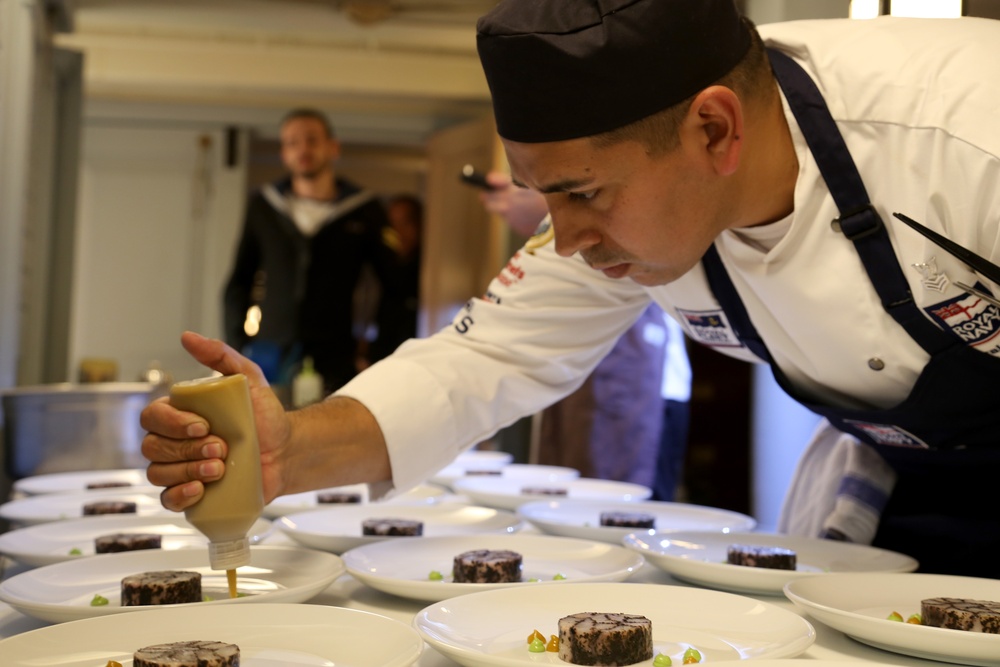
(562, 69)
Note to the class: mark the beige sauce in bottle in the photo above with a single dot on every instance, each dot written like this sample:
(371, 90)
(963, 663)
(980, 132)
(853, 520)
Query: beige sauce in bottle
(232, 504)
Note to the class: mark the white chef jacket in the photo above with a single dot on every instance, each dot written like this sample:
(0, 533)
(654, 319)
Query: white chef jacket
(917, 102)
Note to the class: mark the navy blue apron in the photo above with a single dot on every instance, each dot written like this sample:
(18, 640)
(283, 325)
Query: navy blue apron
(943, 440)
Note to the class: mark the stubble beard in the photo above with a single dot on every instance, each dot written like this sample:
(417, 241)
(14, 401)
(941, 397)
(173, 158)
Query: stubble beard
(311, 174)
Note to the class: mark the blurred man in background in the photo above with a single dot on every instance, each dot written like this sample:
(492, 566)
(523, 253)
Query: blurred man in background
(305, 241)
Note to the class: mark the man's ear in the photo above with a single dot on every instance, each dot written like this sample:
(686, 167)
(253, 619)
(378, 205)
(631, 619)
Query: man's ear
(716, 120)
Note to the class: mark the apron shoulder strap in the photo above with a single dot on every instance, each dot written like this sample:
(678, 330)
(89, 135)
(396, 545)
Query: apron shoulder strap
(858, 220)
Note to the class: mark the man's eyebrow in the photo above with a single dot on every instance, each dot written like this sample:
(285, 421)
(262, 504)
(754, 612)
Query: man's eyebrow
(559, 186)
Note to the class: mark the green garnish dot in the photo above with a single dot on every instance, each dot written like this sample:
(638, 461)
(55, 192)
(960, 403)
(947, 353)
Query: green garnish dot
(662, 660)
(533, 579)
(894, 616)
(691, 656)
(536, 646)
(205, 598)
(75, 552)
(558, 577)
(435, 576)
(915, 619)
(98, 601)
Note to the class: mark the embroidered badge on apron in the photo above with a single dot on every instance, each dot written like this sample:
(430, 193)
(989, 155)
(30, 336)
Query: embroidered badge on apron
(710, 327)
(973, 319)
(932, 279)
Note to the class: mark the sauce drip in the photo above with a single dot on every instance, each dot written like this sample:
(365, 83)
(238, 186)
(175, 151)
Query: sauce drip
(231, 578)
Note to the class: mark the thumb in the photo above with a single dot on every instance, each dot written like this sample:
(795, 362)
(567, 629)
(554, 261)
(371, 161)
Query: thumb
(220, 357)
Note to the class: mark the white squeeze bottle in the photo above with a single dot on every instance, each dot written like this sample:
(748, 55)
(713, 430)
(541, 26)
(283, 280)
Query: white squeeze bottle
(232, 504)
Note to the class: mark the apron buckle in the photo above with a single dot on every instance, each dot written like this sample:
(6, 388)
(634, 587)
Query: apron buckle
(858, 223)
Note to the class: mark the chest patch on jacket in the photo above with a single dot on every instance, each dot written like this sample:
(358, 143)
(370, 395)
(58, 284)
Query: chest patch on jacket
(974, 320)
(710, 327)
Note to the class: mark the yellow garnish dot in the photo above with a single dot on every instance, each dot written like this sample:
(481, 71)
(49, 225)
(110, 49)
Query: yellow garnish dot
(553, 645)
(536, 636)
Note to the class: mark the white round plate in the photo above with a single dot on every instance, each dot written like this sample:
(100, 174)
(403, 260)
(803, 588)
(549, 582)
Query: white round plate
(425, 494)
(386, 567)
(490, 628)
(858, 605)
(268, 636)
(33, 510)
(582, 518)
(338, 529)
(62, 592)
(700, 557)
(69, 482)
(508, 493)
(472, 459)
(521, 471)
(53, 542)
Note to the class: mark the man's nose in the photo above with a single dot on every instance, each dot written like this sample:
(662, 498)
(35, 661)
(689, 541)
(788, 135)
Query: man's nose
(572, 233)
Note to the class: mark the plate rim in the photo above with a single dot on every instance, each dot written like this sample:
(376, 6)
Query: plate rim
(474, 480)
(339, 543)
(19, 485)
(613, 534)
(34, 559)
(759, 580)
(151, 492)
(378, 582)
(846, 621)
(280, 610)
(60, 613)
(512, 501)
(654, 590)
(585, 502)
(276, 510)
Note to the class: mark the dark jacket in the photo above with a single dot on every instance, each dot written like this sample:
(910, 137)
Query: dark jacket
(304, 285)
(398, 308)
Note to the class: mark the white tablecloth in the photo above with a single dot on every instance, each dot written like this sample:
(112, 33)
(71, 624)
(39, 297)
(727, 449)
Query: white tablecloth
(349, 593)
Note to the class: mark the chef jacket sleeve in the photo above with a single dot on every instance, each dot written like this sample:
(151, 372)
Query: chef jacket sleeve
(534, 337)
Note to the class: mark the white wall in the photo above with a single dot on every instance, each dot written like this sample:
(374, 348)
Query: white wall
(157, 221)
(18, 38)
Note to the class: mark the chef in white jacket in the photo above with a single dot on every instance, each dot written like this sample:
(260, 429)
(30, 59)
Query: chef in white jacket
(748, 191)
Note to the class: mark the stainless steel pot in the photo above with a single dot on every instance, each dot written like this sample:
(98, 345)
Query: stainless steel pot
(66, 427)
